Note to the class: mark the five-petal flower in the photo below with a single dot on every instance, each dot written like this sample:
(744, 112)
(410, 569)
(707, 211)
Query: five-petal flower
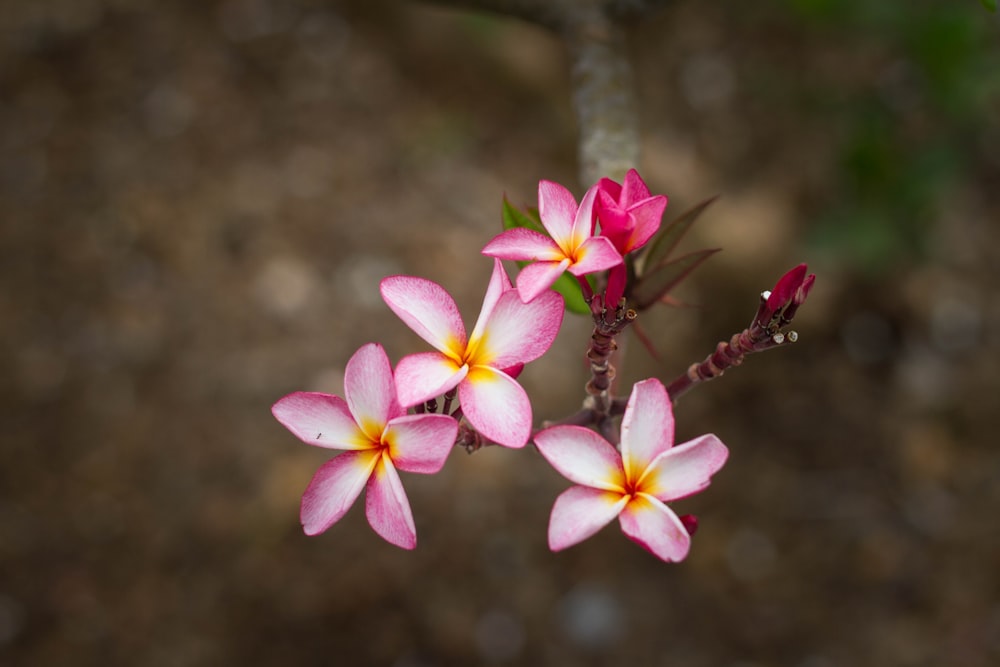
(572, 246)
(379, 438)
(508, 334)
(633, 485)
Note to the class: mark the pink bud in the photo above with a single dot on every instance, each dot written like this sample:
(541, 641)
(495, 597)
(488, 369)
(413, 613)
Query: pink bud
(690, 522)
(786, 288)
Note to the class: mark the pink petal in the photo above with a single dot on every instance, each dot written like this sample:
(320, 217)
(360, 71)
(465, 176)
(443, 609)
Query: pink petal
(421, 443)
(538, 277)
(428, 309)
(579, 512)
(499, 283)
(648, 215)
(611, 189)
(654, 526)
(595, 254)
(786, 287)
(583, 221)
(425, 375)
(523, 245)
(685, 469)
(647, 427)
(582, 456)
(334, 488)
(496, 405)
(370, 390)
(321, 420)
(633, 189)
(387, 507)
(557, 209)
(518, 332)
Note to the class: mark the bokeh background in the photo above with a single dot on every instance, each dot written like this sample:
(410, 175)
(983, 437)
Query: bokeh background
(198, 198)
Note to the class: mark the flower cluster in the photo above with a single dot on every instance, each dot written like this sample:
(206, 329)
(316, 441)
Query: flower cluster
(465, 391)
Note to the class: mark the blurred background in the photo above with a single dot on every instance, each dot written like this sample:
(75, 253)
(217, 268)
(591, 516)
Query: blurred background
(198, 198)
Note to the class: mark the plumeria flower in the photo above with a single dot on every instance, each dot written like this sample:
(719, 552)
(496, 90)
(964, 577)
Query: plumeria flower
(633, 485)
(379, 438)
(571, 245)
(628, 213)
(507, 335)
(629, 216)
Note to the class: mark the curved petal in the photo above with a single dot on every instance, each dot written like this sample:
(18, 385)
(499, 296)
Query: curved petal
(611, 189)
(428, 309)
(421, 443)
(583, 221)
(370, 390)
(654, 526)
(685, 469)
(557, 210)
(582, 456)
(518, 332)
(334, 488)
(595, 254)
(425, 375)
(538, 277)
(648, 215)
(633, 189)
(496, 405)
(579, 512)
(499, 283)
(523, 245)
(647, 427)
(387, 507)
(322, 420)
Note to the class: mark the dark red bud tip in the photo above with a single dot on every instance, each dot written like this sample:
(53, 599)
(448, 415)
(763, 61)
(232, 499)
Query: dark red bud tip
(803, 291)
(786, 288)
(690, 522)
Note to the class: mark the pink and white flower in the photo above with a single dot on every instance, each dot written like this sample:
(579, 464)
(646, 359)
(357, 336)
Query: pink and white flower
(571, 244)
(507, 335)
(633, 485)
(379, 438)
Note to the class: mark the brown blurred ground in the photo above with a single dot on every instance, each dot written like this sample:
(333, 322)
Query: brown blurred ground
(197, 200)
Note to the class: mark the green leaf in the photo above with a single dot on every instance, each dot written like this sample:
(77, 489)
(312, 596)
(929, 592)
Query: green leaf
(990, 5)
(569, 287)
(513, 217)
(655, 284)
(671, 234)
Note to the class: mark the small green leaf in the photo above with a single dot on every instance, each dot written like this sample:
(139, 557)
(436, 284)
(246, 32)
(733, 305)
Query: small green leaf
(990, 5)
(655, 284)
(667, 238)
(513, 217)
(569, 287)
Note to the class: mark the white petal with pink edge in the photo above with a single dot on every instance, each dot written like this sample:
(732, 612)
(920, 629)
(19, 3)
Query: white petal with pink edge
(583, 221)
(654, 526)
(519, 332)
(499, 283)
(582, 456)
(334, 488)
(425, 375)
(647, 427)
(426, 308)
(579, 512)
(595, 254)
(523, 245)
(320, 419)
(387, 508)
(685, 469)
(496, 405)
(557, 210)
(370, 390)
(538, 277)
(421, 443)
